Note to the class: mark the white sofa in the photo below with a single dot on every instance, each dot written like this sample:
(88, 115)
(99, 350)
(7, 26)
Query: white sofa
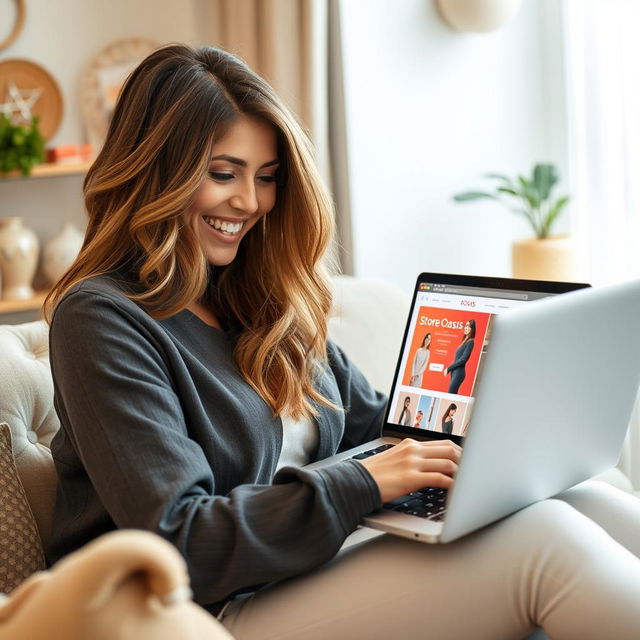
(368, 323)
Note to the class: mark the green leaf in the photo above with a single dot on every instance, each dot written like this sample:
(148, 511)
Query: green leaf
(473, 195)
(499, 176)
(544, 178)
(511, 192)
(554, 212)
(527, 192)
(18, 138)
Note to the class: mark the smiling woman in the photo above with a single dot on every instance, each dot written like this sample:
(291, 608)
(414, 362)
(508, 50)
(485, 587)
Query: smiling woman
(194, 381)
(166, 181)
(234, 194)
(238, 189)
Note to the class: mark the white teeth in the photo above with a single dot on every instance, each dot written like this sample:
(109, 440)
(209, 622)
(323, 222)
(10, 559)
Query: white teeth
(228, 228)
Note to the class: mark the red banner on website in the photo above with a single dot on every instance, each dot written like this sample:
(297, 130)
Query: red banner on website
(445, 350)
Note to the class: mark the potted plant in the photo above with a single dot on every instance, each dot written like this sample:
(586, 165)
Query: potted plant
(21, 146)
(545, 256)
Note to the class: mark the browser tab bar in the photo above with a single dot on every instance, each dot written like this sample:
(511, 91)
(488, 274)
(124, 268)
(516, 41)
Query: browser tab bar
(487, 293)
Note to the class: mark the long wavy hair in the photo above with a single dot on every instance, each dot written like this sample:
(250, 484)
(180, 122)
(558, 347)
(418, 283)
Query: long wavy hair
(275, 294)
(472, 332)
(447, 414)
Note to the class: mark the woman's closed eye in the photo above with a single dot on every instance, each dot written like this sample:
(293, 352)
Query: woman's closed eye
(220, 176)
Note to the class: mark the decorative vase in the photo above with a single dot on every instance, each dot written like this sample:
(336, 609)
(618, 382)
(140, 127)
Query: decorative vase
(60, 252)
(18, 258)
(544, 259)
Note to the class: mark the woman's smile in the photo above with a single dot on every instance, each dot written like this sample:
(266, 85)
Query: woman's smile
(224, 229)
(237, 190)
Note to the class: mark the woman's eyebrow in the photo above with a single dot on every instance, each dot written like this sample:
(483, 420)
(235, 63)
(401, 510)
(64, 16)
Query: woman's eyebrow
(243, 163)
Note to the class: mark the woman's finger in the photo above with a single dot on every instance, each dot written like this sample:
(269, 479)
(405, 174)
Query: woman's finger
(435, 449)
(435, 479)
(441, 443)
(439, 465)
(448, 453)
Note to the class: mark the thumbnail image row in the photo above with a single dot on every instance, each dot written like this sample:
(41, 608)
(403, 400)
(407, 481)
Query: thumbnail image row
(435, 414)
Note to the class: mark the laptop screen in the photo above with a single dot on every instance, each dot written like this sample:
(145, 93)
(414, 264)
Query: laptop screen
(447, 335)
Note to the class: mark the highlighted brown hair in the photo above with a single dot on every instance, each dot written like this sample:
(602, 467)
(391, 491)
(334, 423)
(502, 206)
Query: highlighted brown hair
(275, 294)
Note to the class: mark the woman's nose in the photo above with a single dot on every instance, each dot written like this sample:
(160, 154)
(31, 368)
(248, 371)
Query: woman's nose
(245, 198)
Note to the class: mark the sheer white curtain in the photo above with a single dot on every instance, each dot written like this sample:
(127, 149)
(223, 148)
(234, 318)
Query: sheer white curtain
(603, 75)
(603, 100)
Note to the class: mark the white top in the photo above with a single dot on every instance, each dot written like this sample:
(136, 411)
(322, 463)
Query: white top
(420, 361)
(299, 440)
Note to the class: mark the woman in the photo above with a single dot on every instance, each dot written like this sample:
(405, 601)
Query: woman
(405, 414)
(457, 368)
(420, 361)
(447, 418)
(193, 378)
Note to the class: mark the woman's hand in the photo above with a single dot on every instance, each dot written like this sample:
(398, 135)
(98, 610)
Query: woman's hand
(412, 465)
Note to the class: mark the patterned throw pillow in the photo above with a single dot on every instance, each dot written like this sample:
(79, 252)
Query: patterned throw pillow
(21, 551)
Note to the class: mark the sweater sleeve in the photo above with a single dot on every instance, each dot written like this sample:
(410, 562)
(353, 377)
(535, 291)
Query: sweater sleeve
(364, 406)
(121, 410)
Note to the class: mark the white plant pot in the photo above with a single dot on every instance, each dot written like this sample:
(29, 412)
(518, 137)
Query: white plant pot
(545, 259)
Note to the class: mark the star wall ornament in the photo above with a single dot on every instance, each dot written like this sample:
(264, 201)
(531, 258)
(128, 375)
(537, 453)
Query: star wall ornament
(19, 102)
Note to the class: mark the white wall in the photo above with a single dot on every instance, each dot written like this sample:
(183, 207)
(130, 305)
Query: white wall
(429, 111)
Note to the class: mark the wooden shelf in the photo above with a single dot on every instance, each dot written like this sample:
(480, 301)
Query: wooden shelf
(51, 170)
(31, 304)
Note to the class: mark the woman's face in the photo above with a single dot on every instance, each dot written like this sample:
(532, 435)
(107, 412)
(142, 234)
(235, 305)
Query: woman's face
(237, 190)
(407, 401)
(467, 329)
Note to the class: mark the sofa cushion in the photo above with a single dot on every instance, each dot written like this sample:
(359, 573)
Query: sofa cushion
(26, 404)
(367, 320)
(21, 552)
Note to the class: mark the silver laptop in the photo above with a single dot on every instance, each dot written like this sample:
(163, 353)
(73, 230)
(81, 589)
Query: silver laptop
(543, 400)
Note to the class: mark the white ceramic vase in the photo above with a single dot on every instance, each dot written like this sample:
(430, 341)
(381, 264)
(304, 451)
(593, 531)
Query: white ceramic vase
(19, 248)
(60, 252)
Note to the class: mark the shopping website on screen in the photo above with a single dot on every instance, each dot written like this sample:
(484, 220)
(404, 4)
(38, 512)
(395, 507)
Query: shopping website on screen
(449, 334)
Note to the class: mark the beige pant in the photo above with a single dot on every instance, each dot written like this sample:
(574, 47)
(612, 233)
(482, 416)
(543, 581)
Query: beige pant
(549, 565)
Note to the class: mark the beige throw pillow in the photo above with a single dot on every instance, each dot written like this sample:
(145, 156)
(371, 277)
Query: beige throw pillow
(21, 552)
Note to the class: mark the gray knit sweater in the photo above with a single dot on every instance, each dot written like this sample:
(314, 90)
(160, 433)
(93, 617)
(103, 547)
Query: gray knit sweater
(160, 432)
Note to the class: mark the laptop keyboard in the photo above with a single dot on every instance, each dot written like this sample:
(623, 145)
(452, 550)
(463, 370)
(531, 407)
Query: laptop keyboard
(429, 503)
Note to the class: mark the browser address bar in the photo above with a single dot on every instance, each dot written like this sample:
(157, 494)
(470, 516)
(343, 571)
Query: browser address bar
(492, 294)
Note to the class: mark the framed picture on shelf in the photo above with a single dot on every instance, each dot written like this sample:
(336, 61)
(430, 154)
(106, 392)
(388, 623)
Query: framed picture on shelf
(103, 80)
